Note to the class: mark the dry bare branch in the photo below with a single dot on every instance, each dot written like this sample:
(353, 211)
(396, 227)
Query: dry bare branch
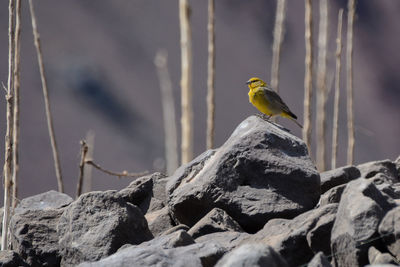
(84, 150)
(16, 104)
(87, 179)
(46, 99)
(349, 70)
(278, 39)
(211, 75)
(168, 104)
(321, 85)
(118, 174)
(337, 90)
(308, 90)
(7, 169)
(186, 81)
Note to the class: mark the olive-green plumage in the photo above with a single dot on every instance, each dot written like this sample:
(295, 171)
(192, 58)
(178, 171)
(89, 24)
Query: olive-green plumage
(268, 101)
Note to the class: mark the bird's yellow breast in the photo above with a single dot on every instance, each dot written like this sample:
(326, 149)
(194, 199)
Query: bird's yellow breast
(259, 100)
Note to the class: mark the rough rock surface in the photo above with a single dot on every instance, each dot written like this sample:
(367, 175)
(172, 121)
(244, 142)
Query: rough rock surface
(377, 257)
(48, 200)
(260, 182)
(252, 177)
(9, 258)
(159, 221)
(289, 237)
(96, 225)
(389, 230)
(255, 255)
(195, 255)
(333, 195)
(147, 192)
(227, 240)
(176, 228)
(386, 167)
(176, 239)
(360, 211)
(34, 236)
(319, 260)
(338, 176)
(216, 220)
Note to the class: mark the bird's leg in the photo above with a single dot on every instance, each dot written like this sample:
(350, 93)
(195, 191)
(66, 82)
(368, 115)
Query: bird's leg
(266, 118)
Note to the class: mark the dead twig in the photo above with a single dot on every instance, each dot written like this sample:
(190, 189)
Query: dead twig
(308, 90)
(118, 174)
(84, 150)
(50, 125)
(337, 90)
(186, 82)
(16, 104)
(168, 105)
(211, 75)
(349, 70)
(7, 169)
(279, 31)
(321, 85)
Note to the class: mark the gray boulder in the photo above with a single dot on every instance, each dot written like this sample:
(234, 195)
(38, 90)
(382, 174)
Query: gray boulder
(261, 172)
(360, 210)
(397, 163)
(216, 220)
(96, 225)
(34, 236)
(196, 255)
(292, 238)
(377, 257)
(176, 239)
(159, 221)
(176, 228)
(339, 176)
(319, 260)
(227, 240)
(252, 255)
(48, 200)
(389, 230)
(147, 192)
(333, 195)
(386, 167)
(9, 258)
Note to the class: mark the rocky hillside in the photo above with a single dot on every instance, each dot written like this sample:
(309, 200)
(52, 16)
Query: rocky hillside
(255, 201)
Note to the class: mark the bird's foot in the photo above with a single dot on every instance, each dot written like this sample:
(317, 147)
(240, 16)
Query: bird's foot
(264, 117)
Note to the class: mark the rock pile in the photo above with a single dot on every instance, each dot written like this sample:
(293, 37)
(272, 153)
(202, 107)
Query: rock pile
(255, 201)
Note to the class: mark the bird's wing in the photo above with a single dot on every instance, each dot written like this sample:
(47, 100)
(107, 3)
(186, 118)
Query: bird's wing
(275, 99)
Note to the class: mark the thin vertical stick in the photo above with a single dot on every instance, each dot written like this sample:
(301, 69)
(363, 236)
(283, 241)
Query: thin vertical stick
(321, 85)
(87, 179)
(308, 90)
(168, 104)
(186, 81)
(8, 142)
(211, 75)
(46, 99)
(337, 90)
(84, 150)
(349, 71)
(16, 104)
(278, 39)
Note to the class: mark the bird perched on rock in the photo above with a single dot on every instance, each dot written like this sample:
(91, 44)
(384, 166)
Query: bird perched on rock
(267, 101)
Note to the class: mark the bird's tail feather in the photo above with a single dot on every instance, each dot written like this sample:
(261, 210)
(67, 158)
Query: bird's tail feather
(292, 117)
(295, 121)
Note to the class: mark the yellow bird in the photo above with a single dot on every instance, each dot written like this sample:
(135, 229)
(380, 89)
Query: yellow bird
(267, 101)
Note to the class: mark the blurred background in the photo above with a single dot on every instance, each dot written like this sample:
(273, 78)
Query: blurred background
(99, 60)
